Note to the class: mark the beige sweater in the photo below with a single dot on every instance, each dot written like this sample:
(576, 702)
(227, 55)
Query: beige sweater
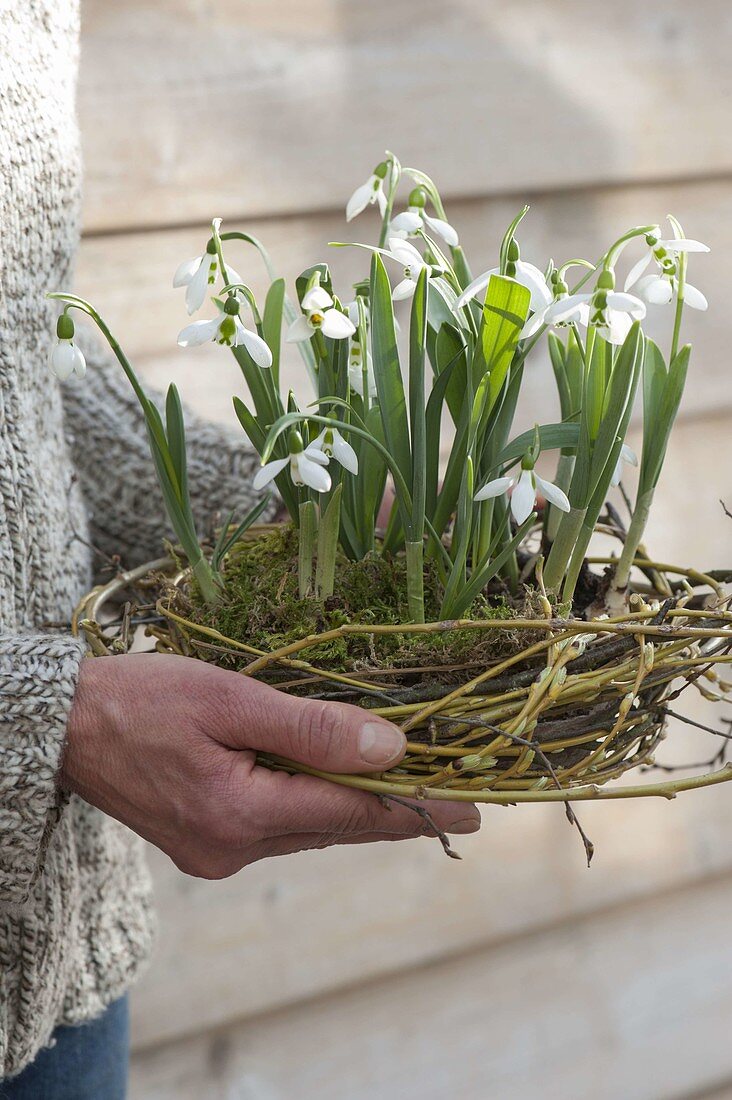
(75, 920)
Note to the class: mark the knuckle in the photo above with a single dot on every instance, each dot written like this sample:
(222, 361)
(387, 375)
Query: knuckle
(320, 729)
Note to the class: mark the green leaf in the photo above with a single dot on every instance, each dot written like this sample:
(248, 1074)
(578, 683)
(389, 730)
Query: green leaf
(551, 436)
(387, 372)
(272, 324)
(505, 311)
(330, 523)
(417, 418)
(226, 540)
(449, 347)
(663, 415)
(175, 431)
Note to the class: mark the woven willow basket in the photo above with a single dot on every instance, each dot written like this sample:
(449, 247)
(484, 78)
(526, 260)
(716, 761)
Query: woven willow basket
(574, 705)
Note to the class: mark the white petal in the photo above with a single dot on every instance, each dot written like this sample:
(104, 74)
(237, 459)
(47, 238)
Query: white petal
(494, 488)
(255, 345)
(655, 289)
(312, 473)
(553, 493)
(381, 200)
(618, 328)
(444, 230)
(344, 453)
(337, 325)
(269, 472)
(533, 324)
(200, 281)
(61, 360)
(316, 454)
(300, 329)
(694, 297)
(523, 497)
(626, 303)
(199, 332)
(684, 244)
(404, 289)
(185, 271)
(532, 278)
(317, 298)
(627, 454)
(563, 308)
(360, 199)
(79, 362)
(472, 290)
(406, 222)
(405, 253)
(637, 270)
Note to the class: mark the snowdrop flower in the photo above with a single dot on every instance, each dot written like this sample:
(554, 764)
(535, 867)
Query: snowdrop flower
(227, 328)
(200, 273)
(525, 273)
(413, 263)
(369, 193)
(320, 315)
(65, 358)
(580, 314)
(660, 287)
(627, 454)
(415, 217)
(306, 467)
(611, 312)
(333, 445)
(525, 487)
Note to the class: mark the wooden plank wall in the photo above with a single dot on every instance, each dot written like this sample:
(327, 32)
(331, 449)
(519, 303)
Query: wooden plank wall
(393, 971)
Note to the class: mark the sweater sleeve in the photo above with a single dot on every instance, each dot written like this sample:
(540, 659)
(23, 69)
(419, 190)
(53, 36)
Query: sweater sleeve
(107, 429)
(38, 675)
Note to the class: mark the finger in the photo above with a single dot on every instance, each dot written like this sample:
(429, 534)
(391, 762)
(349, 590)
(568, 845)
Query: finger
(279, 804)
(333, 737)
(306, 842)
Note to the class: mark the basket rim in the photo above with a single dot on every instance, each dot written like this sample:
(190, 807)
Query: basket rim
(89, 608)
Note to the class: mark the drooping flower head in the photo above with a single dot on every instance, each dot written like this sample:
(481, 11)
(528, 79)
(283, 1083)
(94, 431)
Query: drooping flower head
(227, 328)
(413, 263)
(520, 270)
(307, 467)
(659, 287)
(320, 315)
(200, 273)
(611, 312)
(66, 359)
(370, 192)
(416, 218)
(331, 443)
(526, 485)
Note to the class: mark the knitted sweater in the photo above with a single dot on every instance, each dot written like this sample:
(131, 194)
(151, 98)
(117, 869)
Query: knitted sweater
(75, 920)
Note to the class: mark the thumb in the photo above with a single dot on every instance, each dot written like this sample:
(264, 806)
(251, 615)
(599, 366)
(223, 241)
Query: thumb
(333, 737)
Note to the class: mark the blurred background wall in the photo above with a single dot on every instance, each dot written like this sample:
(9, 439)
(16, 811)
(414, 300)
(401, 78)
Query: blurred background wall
(392, 971)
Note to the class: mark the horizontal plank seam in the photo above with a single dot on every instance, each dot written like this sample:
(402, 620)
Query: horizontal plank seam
(520, 196)
(432, 960)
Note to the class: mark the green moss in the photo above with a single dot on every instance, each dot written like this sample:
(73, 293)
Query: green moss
(261, 606)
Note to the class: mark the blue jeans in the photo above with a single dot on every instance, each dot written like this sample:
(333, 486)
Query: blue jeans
(88, 1062)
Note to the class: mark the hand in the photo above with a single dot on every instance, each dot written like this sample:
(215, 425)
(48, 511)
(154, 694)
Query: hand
(167, 745)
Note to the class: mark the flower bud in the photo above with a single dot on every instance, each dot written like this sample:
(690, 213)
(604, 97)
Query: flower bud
(417, 198)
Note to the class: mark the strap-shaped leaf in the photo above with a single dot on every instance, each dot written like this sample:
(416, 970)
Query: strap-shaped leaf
(272, 325)
(387, 370)
(505, 310)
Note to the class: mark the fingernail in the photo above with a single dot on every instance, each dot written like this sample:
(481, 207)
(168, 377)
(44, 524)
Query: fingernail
(380, 744)
(465, 825)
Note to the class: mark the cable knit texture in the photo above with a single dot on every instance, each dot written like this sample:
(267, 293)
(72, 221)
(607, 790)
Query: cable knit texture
(75, 917)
